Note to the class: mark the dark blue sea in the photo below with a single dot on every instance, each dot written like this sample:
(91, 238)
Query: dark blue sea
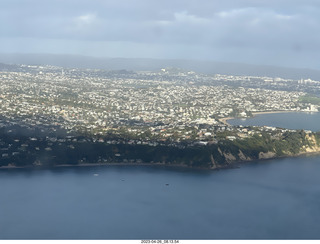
(275, 199)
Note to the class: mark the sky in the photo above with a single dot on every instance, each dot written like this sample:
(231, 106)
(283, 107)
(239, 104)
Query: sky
(273, 32)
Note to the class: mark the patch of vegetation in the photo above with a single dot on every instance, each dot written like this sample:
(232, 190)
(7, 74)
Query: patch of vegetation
(23, 150)
(310, 99)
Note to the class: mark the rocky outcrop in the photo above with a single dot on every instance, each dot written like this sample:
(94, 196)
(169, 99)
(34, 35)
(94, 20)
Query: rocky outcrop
(313, 146)
(213, 162)
(266, 155)
(229, 157)
(243, 157)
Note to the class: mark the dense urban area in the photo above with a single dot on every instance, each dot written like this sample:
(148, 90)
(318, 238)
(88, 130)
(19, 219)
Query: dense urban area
(53, 115)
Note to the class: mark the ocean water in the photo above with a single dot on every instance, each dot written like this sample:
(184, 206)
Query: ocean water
(291, 120)
(274, 199)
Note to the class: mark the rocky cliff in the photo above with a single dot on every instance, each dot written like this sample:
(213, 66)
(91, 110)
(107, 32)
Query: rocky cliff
(290, 145)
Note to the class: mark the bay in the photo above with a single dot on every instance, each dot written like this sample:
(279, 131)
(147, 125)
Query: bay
(274, 199)
(290, 120)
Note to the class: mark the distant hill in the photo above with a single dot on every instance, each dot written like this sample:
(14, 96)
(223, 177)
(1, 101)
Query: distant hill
(143, 64)
(8, 67)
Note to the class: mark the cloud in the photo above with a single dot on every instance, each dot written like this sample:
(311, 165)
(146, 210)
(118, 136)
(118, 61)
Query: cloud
(85, 19)
(239, 29)
(83, 22)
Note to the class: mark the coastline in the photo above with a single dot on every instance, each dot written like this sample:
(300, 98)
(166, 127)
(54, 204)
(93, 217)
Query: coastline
(277, 112)
(231, 165)
(224, 120)
(237, 164)
(98, 164)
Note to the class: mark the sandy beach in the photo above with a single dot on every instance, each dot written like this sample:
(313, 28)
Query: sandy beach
(224, 120)
(276, 112)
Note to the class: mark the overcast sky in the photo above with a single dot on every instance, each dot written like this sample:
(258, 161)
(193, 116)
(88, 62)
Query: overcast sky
(276, 32)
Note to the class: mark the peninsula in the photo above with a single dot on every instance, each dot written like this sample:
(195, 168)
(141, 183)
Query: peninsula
(57, 116)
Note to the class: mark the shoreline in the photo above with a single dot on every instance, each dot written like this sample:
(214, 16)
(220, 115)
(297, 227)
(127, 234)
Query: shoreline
(98, 164)
(231, 165)
(224, 120)
(277, 112)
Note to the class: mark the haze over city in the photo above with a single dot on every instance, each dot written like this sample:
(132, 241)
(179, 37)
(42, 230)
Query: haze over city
(281, 33)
